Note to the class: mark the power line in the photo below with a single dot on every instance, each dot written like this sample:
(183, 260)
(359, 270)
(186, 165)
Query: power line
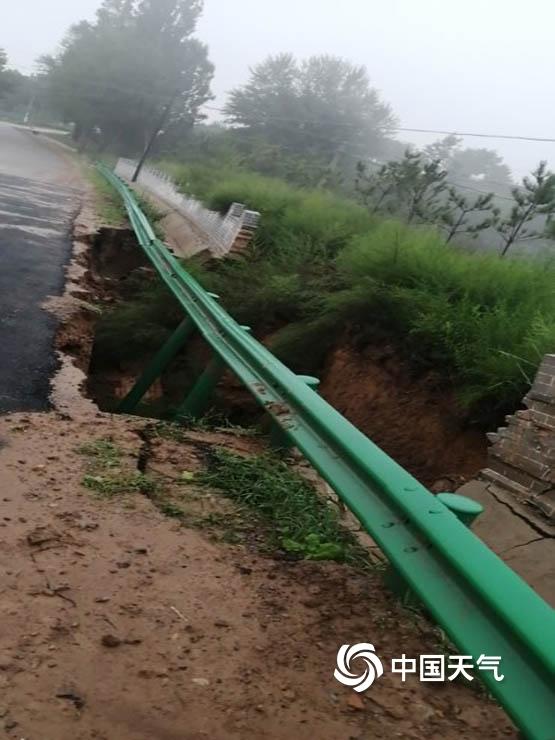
(479, 135)
(443, 132)
(158, 96)
(403, 128)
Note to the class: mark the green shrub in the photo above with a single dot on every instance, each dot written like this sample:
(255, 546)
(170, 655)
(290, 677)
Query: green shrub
(290, 214)
(326, 220)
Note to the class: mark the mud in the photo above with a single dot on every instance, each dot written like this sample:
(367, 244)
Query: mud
(414, 420)
(121, 624)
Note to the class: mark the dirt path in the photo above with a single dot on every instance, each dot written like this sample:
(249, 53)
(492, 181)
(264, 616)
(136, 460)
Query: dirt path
(121, 624)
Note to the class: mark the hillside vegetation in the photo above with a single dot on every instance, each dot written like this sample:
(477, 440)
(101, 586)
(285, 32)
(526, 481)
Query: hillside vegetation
(323, 268)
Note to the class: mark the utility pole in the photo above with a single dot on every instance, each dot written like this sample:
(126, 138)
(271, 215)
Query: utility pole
(161, 122)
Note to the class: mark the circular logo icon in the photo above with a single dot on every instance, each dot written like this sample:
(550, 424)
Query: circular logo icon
(363, 652)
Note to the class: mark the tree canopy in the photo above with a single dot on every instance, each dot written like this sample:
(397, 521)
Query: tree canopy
(9, 78)
(477, 167)
(323, 107)
(112, 77)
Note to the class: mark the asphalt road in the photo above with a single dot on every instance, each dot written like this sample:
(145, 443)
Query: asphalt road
(39, 198)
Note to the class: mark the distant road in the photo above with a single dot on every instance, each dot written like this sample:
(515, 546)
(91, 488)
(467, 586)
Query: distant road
(39, 198)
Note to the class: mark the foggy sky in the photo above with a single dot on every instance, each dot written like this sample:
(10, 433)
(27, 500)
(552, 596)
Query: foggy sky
(477, 65)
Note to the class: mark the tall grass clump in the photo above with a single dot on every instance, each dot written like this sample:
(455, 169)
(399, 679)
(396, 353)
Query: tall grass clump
(482, 322)
(289, 213)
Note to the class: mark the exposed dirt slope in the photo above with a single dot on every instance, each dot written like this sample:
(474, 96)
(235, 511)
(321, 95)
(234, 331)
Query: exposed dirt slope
(121, 624)
(414, 421)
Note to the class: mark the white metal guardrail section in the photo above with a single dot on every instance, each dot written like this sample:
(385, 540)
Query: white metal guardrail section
(221, 231)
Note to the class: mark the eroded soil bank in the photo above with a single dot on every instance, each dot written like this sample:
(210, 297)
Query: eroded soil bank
(414, 420)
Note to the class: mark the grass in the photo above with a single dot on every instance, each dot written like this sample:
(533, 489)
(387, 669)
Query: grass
(111, 209)
(293, 219)
(322, 269)
(171, 510)
(109, 204)
(153, 213)
(103, 452)
(274, 505)
(295, 517)
(108, 485)
(482, 322)
(140, 324)
(105, 474)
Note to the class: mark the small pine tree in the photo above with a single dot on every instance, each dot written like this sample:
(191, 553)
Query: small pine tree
(535, 198)
(458, 212)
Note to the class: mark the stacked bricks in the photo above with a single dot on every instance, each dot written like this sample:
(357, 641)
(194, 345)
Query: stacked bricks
(522, 455)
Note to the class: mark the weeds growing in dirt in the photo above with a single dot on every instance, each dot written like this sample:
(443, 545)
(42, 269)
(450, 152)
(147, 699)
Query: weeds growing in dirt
(296, 518)
(177, 431)
(113, 483)
(105, 453)
(109, 204)
(170, 509)
(105, 475)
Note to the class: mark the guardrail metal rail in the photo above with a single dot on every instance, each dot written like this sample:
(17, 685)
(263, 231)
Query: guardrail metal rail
(482, 605)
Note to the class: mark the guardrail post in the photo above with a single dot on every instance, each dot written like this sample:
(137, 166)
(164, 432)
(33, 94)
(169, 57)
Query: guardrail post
(466, 510)
(157, 365)
(279, 439)
(198, 399)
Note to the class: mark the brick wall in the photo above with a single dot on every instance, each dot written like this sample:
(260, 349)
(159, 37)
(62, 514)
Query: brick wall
(522, 454)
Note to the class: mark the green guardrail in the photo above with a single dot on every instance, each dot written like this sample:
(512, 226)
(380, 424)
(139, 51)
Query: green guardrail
(483, 606)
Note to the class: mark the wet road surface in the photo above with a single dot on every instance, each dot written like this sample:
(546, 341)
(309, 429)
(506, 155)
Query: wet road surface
(39, 199)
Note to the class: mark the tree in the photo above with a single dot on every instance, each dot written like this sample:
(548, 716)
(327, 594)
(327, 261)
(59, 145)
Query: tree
(536, 198)
(470, 167)
(9, 78)
(414, 187)
(480, 167)
(458, 216)
(323, 107)
(115, 75)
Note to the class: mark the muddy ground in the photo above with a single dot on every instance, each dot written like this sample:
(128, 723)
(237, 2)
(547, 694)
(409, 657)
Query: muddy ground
(120, 623)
